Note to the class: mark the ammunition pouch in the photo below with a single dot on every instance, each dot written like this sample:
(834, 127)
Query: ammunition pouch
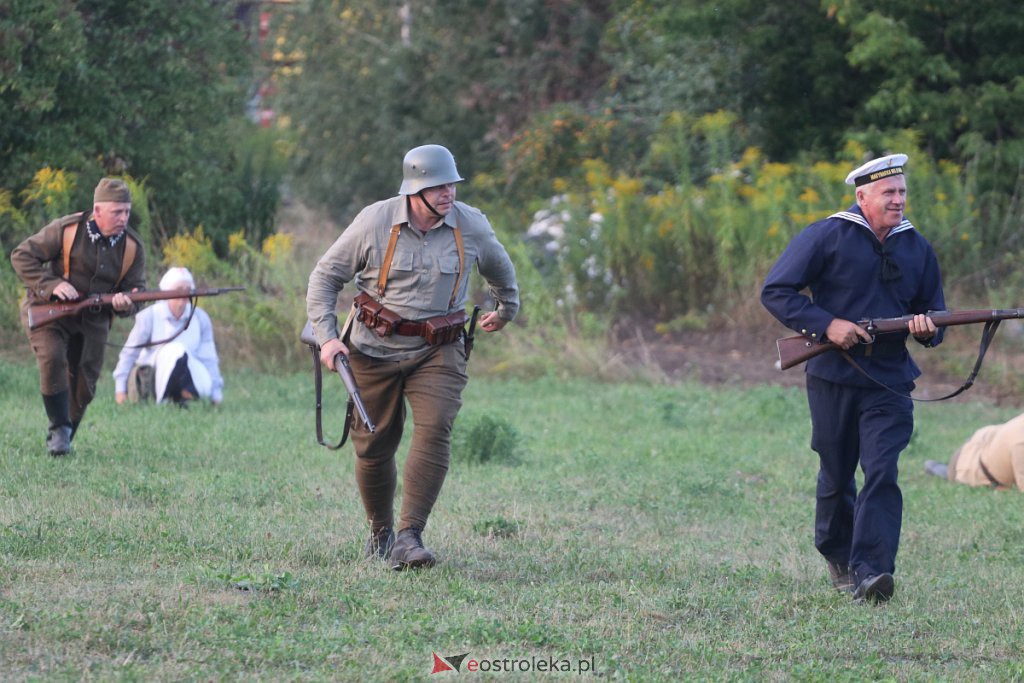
(375, 316)
(443, 329)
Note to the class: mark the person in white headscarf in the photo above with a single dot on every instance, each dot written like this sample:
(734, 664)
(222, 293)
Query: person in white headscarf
(179, 367)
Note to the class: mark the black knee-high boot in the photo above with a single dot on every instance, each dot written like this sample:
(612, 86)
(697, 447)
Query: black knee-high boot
(58, 441)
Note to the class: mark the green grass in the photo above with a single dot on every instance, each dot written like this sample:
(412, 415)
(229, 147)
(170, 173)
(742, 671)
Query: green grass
(664, 531)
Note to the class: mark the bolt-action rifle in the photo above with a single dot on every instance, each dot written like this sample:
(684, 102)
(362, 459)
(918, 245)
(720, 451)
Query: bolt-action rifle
(796, 349)
(41, 314)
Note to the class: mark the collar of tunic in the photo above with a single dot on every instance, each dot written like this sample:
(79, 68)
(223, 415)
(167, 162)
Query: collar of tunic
(94, 233)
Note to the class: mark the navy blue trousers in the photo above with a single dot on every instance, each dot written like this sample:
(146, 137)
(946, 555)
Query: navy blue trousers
(869, 426)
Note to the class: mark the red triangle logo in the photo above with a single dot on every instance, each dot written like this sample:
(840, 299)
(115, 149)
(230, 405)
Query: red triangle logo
(440, 665)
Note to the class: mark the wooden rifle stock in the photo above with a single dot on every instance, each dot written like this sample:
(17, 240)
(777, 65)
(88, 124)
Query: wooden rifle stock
(41, 314)
(796, 349)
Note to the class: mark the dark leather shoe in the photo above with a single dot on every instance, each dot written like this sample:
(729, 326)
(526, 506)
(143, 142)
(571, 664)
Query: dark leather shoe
(878, 588)
(379, 544)
(842, 579)
(58, 442)
(408, 551)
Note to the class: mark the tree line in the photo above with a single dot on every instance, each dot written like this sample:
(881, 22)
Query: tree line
(655, 100)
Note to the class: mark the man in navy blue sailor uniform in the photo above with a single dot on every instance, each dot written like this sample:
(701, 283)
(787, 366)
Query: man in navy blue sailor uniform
(865, 262)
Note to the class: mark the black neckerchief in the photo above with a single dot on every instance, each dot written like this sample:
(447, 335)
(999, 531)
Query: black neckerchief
(890, 270)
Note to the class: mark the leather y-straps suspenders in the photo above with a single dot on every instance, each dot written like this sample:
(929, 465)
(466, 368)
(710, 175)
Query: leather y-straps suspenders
(382, 281)
(130, 249)
(389, 254)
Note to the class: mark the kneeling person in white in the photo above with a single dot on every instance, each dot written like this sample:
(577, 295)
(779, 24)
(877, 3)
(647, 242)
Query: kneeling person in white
(183, 366)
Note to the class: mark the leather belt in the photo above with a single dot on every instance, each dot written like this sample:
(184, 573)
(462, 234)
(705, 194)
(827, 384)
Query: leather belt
(409, 328)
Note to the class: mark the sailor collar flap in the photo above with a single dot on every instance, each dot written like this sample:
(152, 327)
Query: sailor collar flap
(854, 215)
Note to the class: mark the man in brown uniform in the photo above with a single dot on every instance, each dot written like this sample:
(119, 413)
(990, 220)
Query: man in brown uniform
(409, 258)
(993, 457)
(74, 256)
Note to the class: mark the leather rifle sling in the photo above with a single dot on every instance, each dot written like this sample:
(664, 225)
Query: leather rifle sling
(318, 385)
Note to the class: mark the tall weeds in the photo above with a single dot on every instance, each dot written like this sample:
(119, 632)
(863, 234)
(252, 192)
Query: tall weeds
(629, 244)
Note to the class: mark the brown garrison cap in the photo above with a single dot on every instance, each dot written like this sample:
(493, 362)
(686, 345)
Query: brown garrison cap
(112, 190)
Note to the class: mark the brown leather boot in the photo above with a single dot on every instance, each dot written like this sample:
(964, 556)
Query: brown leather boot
(842, 579)
(379, 544)
(408, 551)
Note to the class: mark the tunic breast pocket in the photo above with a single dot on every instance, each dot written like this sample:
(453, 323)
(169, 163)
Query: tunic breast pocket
(403, 264)
(445, 276)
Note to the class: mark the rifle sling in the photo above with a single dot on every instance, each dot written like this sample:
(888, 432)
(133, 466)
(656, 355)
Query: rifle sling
(145, 345)
(987, 335)
(318, 382)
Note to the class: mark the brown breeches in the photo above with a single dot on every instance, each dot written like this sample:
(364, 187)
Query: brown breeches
(69, 354)
(432, 383)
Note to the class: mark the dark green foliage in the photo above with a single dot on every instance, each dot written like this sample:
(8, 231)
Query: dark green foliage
(499, 527)
(150, 88)
(468, 75)
(486, 439)
(781, 66)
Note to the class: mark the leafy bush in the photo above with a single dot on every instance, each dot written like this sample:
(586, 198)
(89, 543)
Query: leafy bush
(498, 527)
(485, 439)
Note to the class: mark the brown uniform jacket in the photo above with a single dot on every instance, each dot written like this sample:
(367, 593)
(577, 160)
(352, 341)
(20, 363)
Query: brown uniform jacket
(996, 448)
(94, 267)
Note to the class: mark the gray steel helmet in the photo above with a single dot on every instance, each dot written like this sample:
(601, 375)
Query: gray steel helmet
(428, 166)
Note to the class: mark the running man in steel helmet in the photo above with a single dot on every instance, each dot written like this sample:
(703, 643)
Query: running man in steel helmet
(408, 259)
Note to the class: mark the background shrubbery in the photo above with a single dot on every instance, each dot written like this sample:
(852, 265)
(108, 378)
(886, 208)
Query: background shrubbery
(642, 159)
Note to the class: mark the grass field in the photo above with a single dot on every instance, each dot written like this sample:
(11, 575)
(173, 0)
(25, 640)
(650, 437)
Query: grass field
(653, 532)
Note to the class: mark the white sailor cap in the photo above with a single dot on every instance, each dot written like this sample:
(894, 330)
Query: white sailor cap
(876, 169)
